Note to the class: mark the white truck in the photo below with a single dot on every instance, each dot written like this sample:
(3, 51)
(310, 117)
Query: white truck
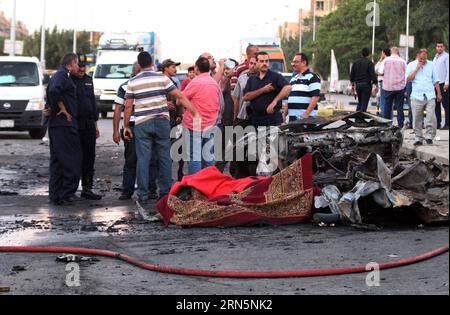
(22, 96)
(112, 70)
(116, 54)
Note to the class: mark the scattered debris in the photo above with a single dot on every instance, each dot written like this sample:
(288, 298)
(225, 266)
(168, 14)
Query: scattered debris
(414, 185)
(393, 256)
(150, 217)
(77, 259)
(5, 289)
(8, 193)
(357, 162)
(18, 269)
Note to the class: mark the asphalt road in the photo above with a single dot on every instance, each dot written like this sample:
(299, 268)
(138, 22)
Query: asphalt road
(28, 219)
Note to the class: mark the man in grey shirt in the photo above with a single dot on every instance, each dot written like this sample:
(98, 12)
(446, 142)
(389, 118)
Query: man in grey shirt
(240, 106)
(441, 61)
(243, 169)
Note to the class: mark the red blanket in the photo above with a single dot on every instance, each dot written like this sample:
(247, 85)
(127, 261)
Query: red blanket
(214, 199)
(212, 183)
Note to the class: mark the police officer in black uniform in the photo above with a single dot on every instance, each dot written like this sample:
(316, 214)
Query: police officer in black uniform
(65, 148)
(87, 128)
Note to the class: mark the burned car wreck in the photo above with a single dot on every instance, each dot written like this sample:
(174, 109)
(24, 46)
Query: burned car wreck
(356, 160)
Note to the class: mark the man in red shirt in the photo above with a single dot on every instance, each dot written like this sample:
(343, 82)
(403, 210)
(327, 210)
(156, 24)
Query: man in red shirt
(204, 93)
(251, 52)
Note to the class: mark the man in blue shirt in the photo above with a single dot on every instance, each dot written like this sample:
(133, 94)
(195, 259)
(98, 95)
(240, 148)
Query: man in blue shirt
(425, 84)
(265, 92)
(65, 148)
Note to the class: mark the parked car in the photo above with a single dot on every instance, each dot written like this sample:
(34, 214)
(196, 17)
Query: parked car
(22, 96)
(343, 86)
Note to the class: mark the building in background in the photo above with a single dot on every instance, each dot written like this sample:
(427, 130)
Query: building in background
(5, 27)
(322, 8)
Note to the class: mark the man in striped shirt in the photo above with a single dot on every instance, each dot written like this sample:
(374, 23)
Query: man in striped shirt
(148, 93)
(305, 93)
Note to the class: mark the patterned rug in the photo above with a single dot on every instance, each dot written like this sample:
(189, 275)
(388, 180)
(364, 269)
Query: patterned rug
(212, 199)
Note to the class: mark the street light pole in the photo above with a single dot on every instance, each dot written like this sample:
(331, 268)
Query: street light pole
(374, 22)
(314, 22)
(43, 34)
(13, 29)
(407, 32)
(75, 41)
(300, 31)
(314, 29)
(75, 35)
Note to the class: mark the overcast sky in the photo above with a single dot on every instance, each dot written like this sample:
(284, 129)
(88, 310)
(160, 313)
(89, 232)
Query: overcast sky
(186, 27)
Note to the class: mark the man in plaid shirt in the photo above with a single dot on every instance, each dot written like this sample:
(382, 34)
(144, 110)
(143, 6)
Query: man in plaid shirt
(394, 84)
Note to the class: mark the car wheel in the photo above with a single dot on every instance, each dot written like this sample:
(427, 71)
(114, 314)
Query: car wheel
(37, 134)
(104, 115)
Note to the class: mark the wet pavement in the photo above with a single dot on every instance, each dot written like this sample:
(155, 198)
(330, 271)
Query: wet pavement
(27, 219)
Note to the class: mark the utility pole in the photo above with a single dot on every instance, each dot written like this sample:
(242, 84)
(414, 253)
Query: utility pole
(407, 33)
(300, 31)
(75, 41)
(13, 29)
(314, 27)
(374, 27)
(75, 34)
(43, 34)
(314, 23)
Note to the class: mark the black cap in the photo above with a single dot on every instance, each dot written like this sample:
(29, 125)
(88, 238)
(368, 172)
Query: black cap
(169, 62)
(82, 62)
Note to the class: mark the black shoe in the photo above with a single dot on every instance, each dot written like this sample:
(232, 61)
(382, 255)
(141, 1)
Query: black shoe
(66, 202)
(89, 195)
(126, 196)
(430, 142)
(418, 143)
(446, 127)
(54, 202)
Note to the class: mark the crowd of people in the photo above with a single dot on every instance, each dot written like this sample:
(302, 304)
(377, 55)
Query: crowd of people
(158, 110)
(422, 84)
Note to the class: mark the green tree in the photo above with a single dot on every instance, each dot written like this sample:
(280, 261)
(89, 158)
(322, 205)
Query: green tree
(291, 45)
(2, 44)
(58, 43)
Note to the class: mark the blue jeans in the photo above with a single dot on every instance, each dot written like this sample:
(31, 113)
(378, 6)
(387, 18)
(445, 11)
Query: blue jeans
(445, 105)
(129, 169)
(199, 158)
(153, 139)
(382, 98)
(396, 98)
(408, 92)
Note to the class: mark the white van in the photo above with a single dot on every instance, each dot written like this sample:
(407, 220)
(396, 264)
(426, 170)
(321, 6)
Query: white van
(22, 96)
(113, 68)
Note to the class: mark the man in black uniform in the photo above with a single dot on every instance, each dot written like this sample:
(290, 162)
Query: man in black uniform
(87, 128)
(65, 149)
